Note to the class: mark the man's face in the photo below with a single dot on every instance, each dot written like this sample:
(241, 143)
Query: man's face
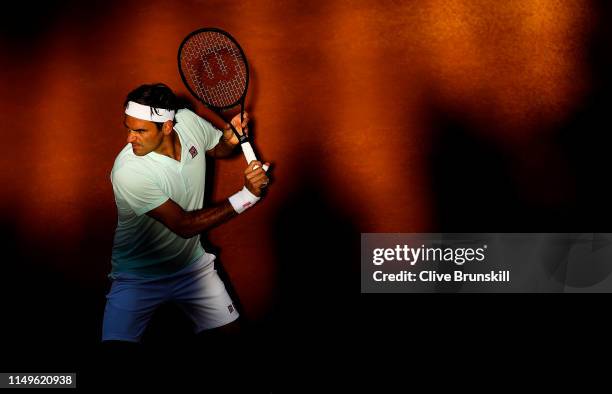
(143, 135)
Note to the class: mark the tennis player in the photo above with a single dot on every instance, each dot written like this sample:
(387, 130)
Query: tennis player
(158, 180)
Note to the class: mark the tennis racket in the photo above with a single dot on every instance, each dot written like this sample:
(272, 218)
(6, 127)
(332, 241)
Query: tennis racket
(214, 69)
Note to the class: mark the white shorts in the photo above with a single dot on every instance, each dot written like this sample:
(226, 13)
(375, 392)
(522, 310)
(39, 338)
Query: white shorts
(197, 289)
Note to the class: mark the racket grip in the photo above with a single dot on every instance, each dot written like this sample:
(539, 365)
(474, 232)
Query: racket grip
(249, 155)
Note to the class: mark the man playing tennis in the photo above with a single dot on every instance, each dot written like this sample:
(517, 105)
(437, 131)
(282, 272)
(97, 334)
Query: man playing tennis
(158, 181)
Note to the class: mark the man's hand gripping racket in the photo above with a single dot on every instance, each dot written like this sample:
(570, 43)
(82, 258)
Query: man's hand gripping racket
(232, 132)
(214, 69)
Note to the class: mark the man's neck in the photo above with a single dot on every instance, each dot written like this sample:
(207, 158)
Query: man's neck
(171, 146)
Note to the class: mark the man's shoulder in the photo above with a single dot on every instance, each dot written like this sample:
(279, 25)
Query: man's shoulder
(197, 129)
(188, 119)
(186, 115)
(127, 163)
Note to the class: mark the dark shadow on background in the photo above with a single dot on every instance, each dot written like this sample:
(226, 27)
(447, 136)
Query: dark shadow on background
(587, 136)
(317, 252)
(474, 191)
(470, 178)
(51, 322)
(26, 28)
(51, 310)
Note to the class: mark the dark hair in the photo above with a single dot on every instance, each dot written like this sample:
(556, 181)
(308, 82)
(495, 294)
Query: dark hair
(156, 95)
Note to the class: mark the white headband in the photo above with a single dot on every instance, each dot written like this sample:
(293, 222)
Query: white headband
(145, 112)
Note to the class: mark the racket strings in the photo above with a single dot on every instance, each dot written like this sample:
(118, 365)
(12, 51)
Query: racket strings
(222, 85)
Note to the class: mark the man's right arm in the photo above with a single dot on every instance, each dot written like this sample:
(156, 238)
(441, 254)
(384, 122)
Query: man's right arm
(188, 224)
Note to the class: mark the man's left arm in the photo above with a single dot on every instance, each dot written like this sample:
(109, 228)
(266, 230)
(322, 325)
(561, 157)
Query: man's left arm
(228, 141)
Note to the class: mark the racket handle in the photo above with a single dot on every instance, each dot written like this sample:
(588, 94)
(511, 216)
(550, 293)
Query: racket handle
(249, 155)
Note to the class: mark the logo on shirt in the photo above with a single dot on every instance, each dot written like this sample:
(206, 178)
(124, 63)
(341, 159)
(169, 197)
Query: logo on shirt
(193, 151)
(230, 308)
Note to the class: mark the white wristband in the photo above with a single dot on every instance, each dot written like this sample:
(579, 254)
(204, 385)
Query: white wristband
(243, 200)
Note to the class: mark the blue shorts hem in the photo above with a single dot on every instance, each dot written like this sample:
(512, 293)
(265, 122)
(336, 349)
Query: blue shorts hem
(200, 329)
(120, 338)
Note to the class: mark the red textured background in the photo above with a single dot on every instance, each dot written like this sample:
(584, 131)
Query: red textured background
(349, 101)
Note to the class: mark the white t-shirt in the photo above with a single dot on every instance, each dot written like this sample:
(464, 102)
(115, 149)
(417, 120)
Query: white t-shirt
(142, 245)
